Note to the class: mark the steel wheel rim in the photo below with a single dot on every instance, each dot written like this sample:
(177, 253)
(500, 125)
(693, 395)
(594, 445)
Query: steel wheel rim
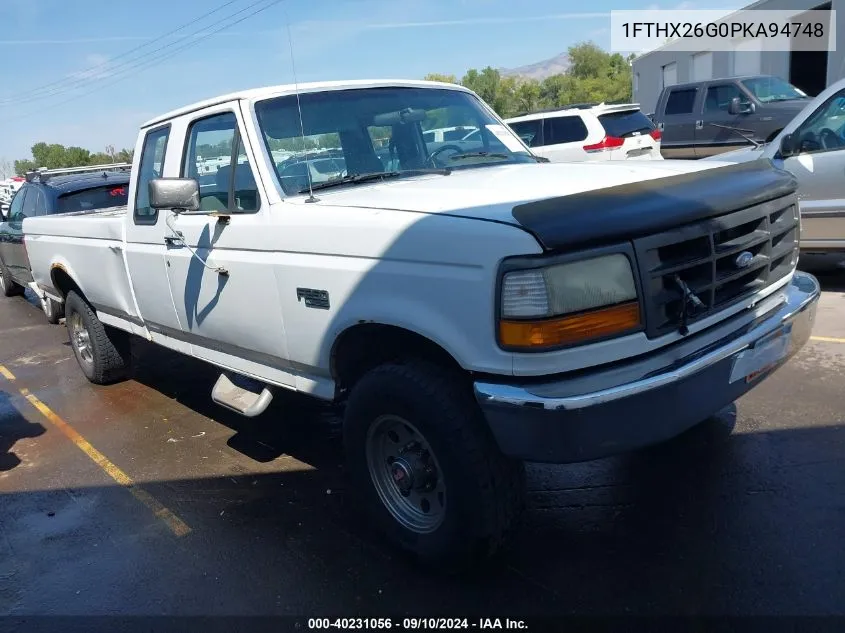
(406, 474)
(81, 339)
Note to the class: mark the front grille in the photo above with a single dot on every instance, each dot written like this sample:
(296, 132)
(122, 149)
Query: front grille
(704, 256)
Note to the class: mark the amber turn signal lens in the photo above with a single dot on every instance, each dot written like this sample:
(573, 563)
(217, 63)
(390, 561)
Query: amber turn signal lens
(571, 329)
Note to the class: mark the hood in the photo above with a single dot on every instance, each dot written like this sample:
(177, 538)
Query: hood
(571, 205)
(491, 193)
(739, 155)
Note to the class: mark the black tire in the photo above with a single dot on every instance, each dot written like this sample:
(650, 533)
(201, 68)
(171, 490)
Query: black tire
(484, 490)
(109, 348)
(53, 310)
(9, 287)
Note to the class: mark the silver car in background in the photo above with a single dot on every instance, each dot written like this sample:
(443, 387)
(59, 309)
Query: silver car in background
(812, 147)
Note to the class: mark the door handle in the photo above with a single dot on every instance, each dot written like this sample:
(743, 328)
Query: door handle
(173, 240)
(699, 125)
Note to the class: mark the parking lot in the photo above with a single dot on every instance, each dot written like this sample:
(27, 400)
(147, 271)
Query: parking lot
(146, 498)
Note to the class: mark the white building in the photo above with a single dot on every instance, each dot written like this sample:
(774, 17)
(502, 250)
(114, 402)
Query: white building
(812, 71)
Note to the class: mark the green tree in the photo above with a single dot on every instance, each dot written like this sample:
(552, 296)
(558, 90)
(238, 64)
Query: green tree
(23, 166)
(100, 158)
(449, 79)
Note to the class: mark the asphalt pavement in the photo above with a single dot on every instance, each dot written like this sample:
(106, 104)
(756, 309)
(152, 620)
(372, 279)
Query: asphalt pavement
(146, 498)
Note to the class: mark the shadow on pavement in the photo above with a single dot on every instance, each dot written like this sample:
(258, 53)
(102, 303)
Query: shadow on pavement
(705, 524)
(13, 427)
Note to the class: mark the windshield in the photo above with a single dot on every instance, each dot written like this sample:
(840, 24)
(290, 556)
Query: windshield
(768, 89)
(95, 198)
(380, 130)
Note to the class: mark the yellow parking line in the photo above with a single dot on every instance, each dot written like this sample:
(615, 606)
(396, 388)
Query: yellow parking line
(176, 525)
(827, 339)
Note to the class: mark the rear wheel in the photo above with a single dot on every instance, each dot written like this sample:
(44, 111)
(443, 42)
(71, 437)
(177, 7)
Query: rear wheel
(102, 353)
(8, 286)
(424, 467)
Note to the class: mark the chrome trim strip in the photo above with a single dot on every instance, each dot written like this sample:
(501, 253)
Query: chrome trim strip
(514, 396)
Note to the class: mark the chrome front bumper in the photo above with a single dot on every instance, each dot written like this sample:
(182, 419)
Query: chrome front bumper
(651, 399)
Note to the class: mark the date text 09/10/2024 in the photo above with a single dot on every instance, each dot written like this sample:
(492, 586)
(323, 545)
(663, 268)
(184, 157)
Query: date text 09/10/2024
(416, 624)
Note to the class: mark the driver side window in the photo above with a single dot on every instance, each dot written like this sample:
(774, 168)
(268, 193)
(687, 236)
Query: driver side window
(824, 131)
(151, 166)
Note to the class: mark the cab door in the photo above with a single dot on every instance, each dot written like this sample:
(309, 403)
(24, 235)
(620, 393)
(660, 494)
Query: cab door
(145, 232)
(714, 135)
(224, 288)
(25, 205)
(819, 166)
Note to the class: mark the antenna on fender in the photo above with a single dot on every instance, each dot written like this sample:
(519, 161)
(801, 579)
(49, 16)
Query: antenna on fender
(311, 197)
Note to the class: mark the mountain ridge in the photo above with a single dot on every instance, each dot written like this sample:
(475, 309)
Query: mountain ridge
(540, 70)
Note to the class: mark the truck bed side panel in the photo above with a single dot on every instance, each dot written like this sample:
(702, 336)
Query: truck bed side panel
(87, 247)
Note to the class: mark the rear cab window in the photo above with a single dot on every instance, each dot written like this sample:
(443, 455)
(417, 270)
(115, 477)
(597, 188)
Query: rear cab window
(626, 123)
(103, 197)
(681, 101)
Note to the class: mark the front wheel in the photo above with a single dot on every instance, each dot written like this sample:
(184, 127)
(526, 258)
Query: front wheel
(424, 467)
(102, 353)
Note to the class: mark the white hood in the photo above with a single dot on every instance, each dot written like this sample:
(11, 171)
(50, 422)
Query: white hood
(740, 155)
(492, 192)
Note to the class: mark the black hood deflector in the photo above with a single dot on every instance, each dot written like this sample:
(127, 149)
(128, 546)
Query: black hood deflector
(628, 211)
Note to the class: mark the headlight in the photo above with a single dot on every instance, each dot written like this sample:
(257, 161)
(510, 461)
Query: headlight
(568, 303)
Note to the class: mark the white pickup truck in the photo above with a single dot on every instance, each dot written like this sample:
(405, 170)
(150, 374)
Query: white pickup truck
(471, 305)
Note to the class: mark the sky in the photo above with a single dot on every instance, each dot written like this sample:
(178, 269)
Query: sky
(70, 74)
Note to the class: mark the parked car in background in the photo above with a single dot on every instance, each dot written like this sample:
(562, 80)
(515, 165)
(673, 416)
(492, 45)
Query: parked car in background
(8, 189)
(812, 147)
(589, 132)
(469, 309)
(704, 118)
(50, 192)
(446, 134)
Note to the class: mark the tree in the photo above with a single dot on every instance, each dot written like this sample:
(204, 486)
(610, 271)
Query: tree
(54, 156)
(449, 79)
(23, 166)
(7, 169)
(594, 76)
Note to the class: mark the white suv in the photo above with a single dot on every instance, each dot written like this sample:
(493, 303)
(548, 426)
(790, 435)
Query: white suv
(590, 132)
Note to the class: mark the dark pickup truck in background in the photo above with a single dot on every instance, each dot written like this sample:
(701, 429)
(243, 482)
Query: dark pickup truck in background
(704, 118)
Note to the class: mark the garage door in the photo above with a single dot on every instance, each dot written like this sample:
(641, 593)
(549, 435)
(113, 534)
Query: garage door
(746, 58)
(670, 74)
(702, 66)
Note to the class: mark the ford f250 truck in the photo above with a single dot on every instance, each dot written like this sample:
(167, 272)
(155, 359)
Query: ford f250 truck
(472, 306)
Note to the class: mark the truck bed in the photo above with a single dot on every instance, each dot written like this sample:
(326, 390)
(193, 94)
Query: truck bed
(88, 246)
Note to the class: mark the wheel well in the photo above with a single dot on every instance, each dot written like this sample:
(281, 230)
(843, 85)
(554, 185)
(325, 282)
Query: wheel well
(63, 282)
(773, 135)
(367, 345)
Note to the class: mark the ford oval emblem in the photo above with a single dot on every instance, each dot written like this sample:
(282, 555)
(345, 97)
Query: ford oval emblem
(744, 259)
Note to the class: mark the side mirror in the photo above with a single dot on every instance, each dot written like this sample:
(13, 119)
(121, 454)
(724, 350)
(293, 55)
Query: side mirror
(737, 106)
(179, 194)
(787, 146)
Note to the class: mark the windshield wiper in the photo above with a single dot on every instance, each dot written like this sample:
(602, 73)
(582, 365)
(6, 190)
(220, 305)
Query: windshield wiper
(355, 179)
(750, 139)
(479, 155)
